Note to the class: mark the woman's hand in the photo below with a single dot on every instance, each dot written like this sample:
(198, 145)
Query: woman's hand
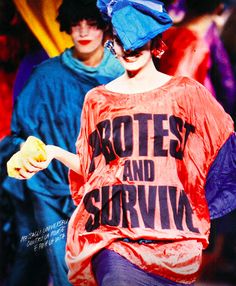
(30, 166)
(24, 167)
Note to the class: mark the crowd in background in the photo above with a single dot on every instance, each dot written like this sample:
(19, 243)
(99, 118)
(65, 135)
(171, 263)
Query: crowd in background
(210, 33)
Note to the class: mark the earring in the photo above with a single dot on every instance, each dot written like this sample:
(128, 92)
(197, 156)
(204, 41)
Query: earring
(110, 46)
(159, 48)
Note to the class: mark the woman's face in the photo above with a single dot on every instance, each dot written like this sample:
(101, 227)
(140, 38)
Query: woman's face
(133, 60)
(87, 37)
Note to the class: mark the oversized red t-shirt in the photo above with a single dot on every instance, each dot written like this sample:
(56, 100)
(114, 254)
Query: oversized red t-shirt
(144, 161)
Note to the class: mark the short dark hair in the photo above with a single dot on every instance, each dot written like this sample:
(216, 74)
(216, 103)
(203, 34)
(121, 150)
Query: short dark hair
(167, 3)
(72, 11)
(203, 6)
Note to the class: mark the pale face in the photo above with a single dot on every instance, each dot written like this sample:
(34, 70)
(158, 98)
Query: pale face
(133, 60)
(87, 37)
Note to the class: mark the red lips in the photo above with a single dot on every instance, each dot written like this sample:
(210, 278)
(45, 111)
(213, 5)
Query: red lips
(84, 42)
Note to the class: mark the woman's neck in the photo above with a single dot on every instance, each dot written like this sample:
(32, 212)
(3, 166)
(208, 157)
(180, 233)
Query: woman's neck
(140, 81)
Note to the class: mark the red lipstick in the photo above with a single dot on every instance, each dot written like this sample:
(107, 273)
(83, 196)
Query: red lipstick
(84, 42)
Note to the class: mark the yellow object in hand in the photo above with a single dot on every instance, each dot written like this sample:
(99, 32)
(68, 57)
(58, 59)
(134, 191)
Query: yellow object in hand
(14, 165)
(33, 148)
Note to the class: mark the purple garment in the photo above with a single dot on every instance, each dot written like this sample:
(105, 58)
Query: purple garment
(220, 75)
(221, 181)
(25, 69)
(110, 268)
(177, 6)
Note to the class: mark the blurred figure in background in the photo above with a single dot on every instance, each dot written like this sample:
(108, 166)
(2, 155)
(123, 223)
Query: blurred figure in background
(202, 45)
(220, 259)
(7, 76)
(26, 66)
(10, 49)
(16, 40)
(196, 50)
(19, 220)
(227, 30)
(176, 9)
(49, 107)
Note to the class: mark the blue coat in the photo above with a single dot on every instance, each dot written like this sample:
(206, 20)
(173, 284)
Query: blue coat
(49, 107)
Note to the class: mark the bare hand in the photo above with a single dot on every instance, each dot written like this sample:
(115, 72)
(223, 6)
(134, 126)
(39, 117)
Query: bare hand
(30, 166)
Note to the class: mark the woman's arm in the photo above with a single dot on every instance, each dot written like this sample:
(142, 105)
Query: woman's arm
(67, 158)
(31, 166)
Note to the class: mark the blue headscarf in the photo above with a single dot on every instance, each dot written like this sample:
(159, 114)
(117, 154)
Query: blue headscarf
(135, 21)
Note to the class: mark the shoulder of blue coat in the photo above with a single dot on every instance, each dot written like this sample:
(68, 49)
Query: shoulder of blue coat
(49, 67)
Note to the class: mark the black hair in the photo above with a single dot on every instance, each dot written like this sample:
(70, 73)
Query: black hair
(72, 11)
(167, 3)
(201, 7)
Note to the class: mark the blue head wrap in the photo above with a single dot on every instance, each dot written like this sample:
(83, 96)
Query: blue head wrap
(135, 21)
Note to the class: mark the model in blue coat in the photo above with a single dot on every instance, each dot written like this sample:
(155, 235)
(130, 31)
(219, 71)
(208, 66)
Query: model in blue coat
(49, 107)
